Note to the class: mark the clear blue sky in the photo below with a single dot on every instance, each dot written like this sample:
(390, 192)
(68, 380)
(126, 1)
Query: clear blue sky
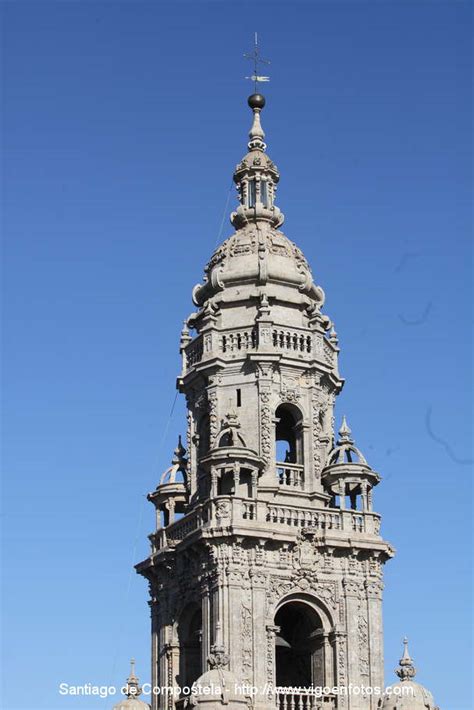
(123, 122)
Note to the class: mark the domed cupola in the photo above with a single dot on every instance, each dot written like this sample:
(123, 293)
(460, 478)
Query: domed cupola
(407, 695)
(258, 253)
(171, 494)
(132, 690)
(233, 466)
(347, 473)
(256, 177)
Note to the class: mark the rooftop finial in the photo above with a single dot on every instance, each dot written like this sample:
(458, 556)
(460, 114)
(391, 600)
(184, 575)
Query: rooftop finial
(133, 688)
(407, 670)
(179, 452)
(344, 432)
(256, 101)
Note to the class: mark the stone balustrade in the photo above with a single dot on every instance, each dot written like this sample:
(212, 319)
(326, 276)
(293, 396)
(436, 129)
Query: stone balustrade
(299, 517)
(292, 339)
(225, 511)
(303, 699)
(290, 474)
(329, 352)
(194, 351)
(299, 342)
(235, 341)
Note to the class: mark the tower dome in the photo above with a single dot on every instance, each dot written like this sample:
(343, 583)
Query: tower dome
(347, 473)
(132, 690)
(258, 252)
(407, 694)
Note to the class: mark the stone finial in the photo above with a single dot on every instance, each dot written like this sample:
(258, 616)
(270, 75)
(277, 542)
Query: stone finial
(263, 308)
(407, 670)
(256, 134)
(333, 336)
(133, 688)
(345, 432)
(179, 452)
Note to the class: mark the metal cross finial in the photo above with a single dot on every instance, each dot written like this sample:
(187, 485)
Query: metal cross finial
(256, 59)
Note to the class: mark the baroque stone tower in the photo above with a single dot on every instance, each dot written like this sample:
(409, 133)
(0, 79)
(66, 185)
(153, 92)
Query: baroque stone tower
(266, 562)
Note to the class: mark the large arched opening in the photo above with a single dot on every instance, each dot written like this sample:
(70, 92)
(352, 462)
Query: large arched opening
(299, 646)
(190, 642)
(289, 445)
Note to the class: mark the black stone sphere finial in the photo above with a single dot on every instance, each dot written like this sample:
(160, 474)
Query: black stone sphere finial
(256, 101)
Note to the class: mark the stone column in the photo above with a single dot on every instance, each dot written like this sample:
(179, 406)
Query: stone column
(352, 595)
(240, 613)
(338, 640)
(266, 426)
(259, 636)
(254, 483)
(236, 476)
(171, 508)
(205, 635)
(213, 481)
(342, 494)
(375, 631)
(155, 651)
(369, 499)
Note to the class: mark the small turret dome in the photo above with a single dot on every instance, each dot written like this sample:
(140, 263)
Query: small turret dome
(345, 450)
(407, 694)
(219, 686)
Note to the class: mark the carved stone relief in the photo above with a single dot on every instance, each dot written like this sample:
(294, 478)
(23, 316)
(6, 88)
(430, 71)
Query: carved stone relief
(246, 627)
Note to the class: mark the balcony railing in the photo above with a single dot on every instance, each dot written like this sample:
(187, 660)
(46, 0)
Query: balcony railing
(300, 518)
(194, 351)
(303, 699)
(290, 339)
(225, 511)
(290, 474)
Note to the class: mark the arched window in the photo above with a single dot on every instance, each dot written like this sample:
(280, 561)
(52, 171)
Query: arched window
(287, 435)
(227, 439)
(190, 641)
(299, 646)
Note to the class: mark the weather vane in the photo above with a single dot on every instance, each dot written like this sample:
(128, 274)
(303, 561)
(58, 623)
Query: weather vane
(256, 59)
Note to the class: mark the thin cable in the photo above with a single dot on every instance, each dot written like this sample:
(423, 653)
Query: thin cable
(134, 550)
(219, 234)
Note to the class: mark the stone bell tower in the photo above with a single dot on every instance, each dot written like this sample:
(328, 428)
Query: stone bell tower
(266, 563)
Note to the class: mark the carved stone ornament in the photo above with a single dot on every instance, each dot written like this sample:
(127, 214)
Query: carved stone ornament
(218, 658)
(352, 588)
(363, 642)
(246, 628)
(222, 509)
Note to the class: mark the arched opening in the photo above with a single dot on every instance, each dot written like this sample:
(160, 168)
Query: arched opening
(204, 435)
(190, 641)
(285, 435)
(299, 646)
(227, 439)
(289, 445)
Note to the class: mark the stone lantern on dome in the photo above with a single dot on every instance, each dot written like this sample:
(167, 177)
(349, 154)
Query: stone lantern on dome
(407, 694)
(347, 473)
(171, 494)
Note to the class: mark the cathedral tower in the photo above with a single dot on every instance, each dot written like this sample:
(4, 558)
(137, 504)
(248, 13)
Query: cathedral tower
(266, 562)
